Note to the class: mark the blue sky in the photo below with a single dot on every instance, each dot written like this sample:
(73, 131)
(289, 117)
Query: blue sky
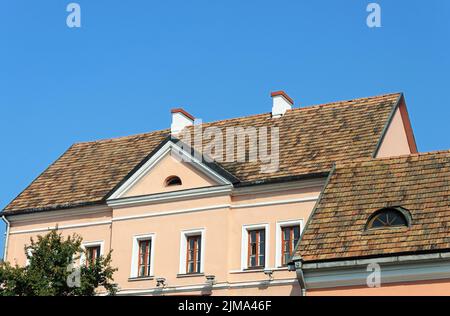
(131, 62)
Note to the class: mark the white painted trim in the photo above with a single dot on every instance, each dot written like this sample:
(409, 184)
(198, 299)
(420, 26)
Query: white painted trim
(5, 250)
(161, 153)
(278, 249)
(57, 214)
(396, 272)
(135, 254)
(171, 196)
(156, 214)
(257, 270)
(199, 287)
(305, 199)
(183, 248)
(60, 227)
(244, 244)
(84, 245)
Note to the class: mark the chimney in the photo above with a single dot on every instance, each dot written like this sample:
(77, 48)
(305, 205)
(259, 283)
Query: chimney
(281, 103)
(180, 119)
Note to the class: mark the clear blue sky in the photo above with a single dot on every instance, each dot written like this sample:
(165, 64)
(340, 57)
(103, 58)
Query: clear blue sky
(132, 61)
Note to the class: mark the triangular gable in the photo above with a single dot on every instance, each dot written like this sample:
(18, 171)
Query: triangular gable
(171, 160)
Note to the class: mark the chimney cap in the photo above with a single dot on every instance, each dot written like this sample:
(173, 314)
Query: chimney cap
(283, 94)
(180, 110)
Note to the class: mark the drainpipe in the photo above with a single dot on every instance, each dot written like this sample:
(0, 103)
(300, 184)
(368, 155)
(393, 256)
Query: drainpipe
(6, 237)
(297, 265)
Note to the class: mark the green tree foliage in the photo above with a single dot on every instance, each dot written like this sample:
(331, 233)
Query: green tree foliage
(52, 270)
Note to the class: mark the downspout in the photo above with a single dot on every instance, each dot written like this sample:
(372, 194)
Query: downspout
(297, 266)
(5, 253)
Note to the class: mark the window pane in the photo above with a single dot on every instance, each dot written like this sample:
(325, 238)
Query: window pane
(253, 236)
(262, 235)
(97, 252)
(261, 247)
(296, 232)
(261, 260)
(253, 249)
(286, 233)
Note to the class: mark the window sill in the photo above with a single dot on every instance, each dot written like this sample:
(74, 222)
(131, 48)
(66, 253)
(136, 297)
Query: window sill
(188, 275)
(140, 278)
(258, 270)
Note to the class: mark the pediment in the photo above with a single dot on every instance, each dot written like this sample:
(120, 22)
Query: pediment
(166, 163)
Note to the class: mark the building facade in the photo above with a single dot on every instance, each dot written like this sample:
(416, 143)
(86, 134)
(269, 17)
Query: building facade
(180, 224)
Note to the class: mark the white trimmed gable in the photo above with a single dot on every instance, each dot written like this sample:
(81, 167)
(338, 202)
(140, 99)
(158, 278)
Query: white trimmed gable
(151, 177)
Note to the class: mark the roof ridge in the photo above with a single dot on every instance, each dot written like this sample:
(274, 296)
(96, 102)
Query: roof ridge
(105, 140)
(349, 100)
(307, 107)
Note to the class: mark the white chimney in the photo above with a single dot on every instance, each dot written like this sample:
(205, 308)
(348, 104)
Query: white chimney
(281, 103)
(180, 119)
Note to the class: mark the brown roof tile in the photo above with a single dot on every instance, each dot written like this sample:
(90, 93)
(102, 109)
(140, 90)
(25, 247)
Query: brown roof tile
(419, 183)
(311, 140)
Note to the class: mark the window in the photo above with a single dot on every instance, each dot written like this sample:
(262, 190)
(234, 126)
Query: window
(286, 238)
(388, 218)
(145, 247)
(193, 254)
(92, 253)
(289, 238)
(192, 251)
(173, 180)
(142, 256)
(256, 248)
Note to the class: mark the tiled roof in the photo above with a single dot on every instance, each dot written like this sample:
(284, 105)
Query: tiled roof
(419, 183)
(311, 140)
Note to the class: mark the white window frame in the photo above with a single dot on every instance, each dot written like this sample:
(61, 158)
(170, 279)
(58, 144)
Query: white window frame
(280, 225)
(244, 244)
(85, 245)
(135, 254)
(183, 248)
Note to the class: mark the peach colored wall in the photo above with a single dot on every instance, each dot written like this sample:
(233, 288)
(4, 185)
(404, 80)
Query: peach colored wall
(223, 231)
(422, 288)
(395, 142)
(223, 227)
(17, 242)
(154, 181)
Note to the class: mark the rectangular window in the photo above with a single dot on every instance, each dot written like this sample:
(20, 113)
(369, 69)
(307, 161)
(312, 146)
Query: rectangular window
(256, 248)
(92, 253)
(145, 247)
(289, 238)
(193, 253)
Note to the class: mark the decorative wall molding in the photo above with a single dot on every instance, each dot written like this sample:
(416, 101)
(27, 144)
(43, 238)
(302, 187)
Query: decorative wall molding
(392, 269)
(206, 287)
(171, 196)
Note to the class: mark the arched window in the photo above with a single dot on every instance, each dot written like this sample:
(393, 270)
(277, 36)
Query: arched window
(173, 180)
(389, 217)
